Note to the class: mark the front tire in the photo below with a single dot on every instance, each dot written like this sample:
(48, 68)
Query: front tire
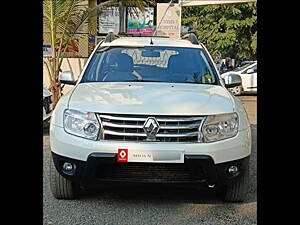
(236, 190)
(236, 91)
(61, 188)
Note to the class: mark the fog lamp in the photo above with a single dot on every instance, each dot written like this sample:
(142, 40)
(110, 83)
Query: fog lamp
(233, 170)
(68, 168)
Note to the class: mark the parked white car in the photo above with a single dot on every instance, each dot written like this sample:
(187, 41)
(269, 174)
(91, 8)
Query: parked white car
(150, 109)
(248, 73)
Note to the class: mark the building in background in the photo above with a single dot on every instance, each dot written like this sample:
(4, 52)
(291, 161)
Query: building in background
(108, 20)
(161, 19)
(135, 22)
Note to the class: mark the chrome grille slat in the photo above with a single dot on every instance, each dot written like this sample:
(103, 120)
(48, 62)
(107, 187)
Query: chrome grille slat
(124, 125)
(162, 119)
(123, 118)
(190, 134)
(144, 118)
(121, 127)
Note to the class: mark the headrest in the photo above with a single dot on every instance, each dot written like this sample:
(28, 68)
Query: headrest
(124, 63)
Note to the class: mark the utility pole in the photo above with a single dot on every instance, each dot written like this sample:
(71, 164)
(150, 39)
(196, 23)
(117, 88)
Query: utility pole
(121, 17)
(92, 28)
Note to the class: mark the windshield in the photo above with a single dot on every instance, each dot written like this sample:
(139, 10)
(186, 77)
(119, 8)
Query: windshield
(151, 64)
(243, 67)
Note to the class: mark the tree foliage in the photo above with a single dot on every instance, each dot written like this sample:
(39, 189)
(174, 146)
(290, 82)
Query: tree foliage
(229, 29)
(63, 19)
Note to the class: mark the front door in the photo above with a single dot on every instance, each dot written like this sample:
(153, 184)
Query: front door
(250, 79)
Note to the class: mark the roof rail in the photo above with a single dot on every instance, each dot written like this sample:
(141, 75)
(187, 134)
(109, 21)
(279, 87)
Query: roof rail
(192, 38)
(141, 35)
(110, 37)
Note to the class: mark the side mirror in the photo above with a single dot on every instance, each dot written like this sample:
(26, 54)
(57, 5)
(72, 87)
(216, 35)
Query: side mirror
(232, 80)
(67, 78)
(250, 71)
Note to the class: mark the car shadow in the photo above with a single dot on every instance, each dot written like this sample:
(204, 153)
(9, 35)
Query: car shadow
(45, 130)
(156, 193)
(151, 193)
(249, 94)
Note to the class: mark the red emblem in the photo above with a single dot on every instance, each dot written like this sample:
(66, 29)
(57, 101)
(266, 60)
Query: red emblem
(122, 155)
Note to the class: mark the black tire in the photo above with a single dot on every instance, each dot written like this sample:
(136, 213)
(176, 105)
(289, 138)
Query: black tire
(46, 123)
(237, 189)
(237, 91)
(61, 188)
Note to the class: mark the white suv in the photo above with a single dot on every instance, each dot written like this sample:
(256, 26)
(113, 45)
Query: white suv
(150, 109)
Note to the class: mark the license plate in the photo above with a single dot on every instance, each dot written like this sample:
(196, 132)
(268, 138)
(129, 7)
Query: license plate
(133, 156)
(140, 157)
(125, 155)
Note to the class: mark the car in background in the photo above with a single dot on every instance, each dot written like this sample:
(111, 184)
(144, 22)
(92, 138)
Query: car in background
(248, 74)
(47, 109)
(246, 62)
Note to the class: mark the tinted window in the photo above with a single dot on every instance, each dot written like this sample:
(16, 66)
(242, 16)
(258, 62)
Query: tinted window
(254, 68)
(242, 67)
(158, 64)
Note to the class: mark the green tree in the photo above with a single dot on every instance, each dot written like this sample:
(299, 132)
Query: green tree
(230, 29)
(63, 19)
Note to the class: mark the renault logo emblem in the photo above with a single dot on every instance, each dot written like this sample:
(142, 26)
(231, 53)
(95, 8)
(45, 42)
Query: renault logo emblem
(151, 128)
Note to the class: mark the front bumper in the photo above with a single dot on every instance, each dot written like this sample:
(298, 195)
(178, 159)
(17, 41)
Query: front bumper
(103, 167)
(74, 147)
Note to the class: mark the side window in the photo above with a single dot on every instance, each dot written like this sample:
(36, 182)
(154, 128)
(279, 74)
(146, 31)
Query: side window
(254, 68)
(90, 74)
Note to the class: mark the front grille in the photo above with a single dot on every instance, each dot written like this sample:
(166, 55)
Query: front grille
(130, 128)
(149, 172)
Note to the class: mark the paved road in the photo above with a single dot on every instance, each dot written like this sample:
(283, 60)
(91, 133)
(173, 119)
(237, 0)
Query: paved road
(149, 204)
(249, 102)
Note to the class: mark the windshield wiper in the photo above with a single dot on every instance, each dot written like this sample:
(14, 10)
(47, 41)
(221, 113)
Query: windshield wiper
(139, 81)
(183, 82)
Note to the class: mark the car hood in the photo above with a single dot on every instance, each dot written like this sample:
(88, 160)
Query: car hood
(151, 98)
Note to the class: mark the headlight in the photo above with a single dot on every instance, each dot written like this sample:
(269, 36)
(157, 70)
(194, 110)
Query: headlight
(219, 127)
(83, 124)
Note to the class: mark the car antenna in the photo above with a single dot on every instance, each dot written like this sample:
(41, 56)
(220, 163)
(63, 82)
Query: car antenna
(151, 41)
